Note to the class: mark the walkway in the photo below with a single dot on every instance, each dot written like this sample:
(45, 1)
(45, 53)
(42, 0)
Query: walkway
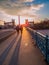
(20, 50)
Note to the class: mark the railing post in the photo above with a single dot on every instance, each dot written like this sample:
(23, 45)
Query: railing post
(36, 37)
(46, 45)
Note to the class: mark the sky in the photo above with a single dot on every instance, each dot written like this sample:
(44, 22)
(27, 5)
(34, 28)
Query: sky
(27, 9)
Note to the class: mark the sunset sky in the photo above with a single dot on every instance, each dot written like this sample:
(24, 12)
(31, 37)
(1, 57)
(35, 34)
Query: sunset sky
(27, 9)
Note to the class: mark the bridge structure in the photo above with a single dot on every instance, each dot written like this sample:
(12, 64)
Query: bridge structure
(42, 42)
(28, 48)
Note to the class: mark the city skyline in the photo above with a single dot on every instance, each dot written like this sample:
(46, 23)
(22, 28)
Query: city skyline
(27, 9)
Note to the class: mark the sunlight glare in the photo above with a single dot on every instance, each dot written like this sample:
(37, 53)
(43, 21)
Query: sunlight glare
(26, 44)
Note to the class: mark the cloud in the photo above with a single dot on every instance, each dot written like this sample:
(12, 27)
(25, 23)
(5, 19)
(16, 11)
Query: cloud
(18, 7)
(26, 0)
(27, 12)
(37, 7)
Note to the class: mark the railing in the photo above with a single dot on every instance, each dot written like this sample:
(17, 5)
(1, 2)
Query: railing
(42, 42)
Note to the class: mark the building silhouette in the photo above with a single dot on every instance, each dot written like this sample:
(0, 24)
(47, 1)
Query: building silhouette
(10, 24)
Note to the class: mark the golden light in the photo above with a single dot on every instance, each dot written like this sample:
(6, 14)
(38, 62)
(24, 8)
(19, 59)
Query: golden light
(26, 44)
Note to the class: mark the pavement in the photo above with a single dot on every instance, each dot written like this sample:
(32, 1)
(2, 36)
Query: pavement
(4, 34)
(20, 49)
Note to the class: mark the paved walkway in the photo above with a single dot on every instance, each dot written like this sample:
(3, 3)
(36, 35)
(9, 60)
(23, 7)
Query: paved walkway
(20, 50)
(29, 54)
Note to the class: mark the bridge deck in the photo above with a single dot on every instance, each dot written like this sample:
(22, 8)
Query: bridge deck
(21, 51)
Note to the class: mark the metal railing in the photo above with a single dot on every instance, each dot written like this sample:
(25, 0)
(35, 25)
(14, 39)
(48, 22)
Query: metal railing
(42, 42)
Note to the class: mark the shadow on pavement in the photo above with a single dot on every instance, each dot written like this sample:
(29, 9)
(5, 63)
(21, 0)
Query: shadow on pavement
(14, 59)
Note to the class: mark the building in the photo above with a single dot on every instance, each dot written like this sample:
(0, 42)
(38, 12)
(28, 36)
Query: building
(26, 22)
(1, 22)
(10, 24)
(31, 23)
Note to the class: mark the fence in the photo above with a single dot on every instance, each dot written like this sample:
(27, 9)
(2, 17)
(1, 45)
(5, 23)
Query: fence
(42, 42)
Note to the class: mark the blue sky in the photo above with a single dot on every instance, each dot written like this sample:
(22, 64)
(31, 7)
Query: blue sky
(31, 9)
(44, 12)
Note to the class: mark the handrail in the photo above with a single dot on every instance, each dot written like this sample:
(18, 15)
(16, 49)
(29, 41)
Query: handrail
(42, 42)
(37, 32)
